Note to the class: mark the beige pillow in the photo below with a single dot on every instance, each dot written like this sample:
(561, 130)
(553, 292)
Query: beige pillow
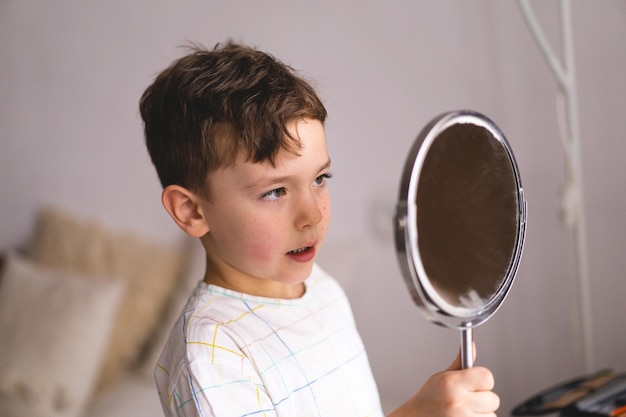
(150, 273)
(194, 272)
(55, 327)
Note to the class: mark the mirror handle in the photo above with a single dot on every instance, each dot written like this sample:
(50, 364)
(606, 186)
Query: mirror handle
(467, 354)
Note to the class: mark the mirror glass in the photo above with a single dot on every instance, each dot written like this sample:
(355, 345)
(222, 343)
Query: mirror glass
(461, 219)
(466, 215)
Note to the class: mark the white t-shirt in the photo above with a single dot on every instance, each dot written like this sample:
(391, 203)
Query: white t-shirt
(234, 355)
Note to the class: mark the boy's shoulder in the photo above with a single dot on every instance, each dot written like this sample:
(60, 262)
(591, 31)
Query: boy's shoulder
(218, 316)
(210, 305)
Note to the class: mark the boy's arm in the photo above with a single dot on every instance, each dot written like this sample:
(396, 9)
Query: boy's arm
(209, 390)
(453, 392)
(204, 373)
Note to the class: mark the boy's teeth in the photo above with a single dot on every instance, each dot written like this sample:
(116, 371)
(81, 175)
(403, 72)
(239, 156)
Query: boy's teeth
(299, 250)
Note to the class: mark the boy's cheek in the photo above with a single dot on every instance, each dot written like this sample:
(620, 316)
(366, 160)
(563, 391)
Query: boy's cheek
(260, 252)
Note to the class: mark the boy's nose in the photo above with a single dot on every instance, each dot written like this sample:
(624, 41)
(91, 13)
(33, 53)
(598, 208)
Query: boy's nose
(309, 213)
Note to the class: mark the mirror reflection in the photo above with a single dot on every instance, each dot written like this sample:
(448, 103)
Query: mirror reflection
(467, 215)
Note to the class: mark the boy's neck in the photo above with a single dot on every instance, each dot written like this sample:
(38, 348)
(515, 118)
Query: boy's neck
(255, 286)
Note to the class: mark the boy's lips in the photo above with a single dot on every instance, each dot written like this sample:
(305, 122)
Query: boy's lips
(303, 254)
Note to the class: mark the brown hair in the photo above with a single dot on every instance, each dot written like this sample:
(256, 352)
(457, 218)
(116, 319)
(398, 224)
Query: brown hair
(210, 105)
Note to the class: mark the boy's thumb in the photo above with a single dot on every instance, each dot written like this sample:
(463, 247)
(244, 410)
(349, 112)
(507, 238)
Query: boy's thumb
(456, 363)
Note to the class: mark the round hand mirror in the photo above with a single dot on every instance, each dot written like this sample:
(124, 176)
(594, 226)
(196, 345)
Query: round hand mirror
(460, 222)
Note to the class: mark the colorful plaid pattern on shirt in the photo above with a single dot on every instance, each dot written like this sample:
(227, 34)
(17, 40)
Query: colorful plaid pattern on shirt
(231, 354)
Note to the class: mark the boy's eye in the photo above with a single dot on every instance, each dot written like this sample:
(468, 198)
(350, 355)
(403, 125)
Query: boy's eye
(275, 194)
(321, 180)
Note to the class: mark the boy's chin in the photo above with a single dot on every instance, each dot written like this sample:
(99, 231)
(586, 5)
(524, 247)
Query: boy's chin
(299, 275)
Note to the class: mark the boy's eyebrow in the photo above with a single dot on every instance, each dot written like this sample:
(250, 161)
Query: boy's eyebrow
(325, 166)
(264, 182)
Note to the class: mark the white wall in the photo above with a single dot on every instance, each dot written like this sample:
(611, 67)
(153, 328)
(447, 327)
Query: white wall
(71, 74)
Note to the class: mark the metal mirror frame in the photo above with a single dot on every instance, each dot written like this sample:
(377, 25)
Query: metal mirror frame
(432, 305)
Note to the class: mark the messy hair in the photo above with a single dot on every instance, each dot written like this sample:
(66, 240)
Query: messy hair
(210, 105)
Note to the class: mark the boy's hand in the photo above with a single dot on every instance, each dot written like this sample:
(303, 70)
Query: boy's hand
(453, 393)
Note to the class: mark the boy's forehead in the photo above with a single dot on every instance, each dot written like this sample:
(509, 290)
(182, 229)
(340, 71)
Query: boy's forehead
(312, 156)
(286, 163)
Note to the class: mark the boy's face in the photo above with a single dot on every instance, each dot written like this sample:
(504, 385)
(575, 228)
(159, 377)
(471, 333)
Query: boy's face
(267, 223)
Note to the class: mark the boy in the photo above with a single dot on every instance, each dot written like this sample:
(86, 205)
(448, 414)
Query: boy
(238, 142)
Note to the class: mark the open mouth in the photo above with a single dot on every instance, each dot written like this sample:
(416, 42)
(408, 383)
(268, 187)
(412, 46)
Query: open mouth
(301, 250)
(304, 254)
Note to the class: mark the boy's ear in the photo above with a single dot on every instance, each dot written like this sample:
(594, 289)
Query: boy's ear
(183, 206)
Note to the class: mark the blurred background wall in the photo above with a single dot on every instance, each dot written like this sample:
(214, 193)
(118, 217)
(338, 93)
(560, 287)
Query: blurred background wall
(71, 73)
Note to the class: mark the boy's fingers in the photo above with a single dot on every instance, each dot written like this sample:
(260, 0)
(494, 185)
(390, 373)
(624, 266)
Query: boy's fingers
(479, 378)
(485, 402)
(456, 363)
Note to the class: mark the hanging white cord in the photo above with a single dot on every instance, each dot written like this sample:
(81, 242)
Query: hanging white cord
(572, 207)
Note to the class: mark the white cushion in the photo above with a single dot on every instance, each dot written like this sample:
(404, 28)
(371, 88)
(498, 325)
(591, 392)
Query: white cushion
(150, 273)
(55, 329)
